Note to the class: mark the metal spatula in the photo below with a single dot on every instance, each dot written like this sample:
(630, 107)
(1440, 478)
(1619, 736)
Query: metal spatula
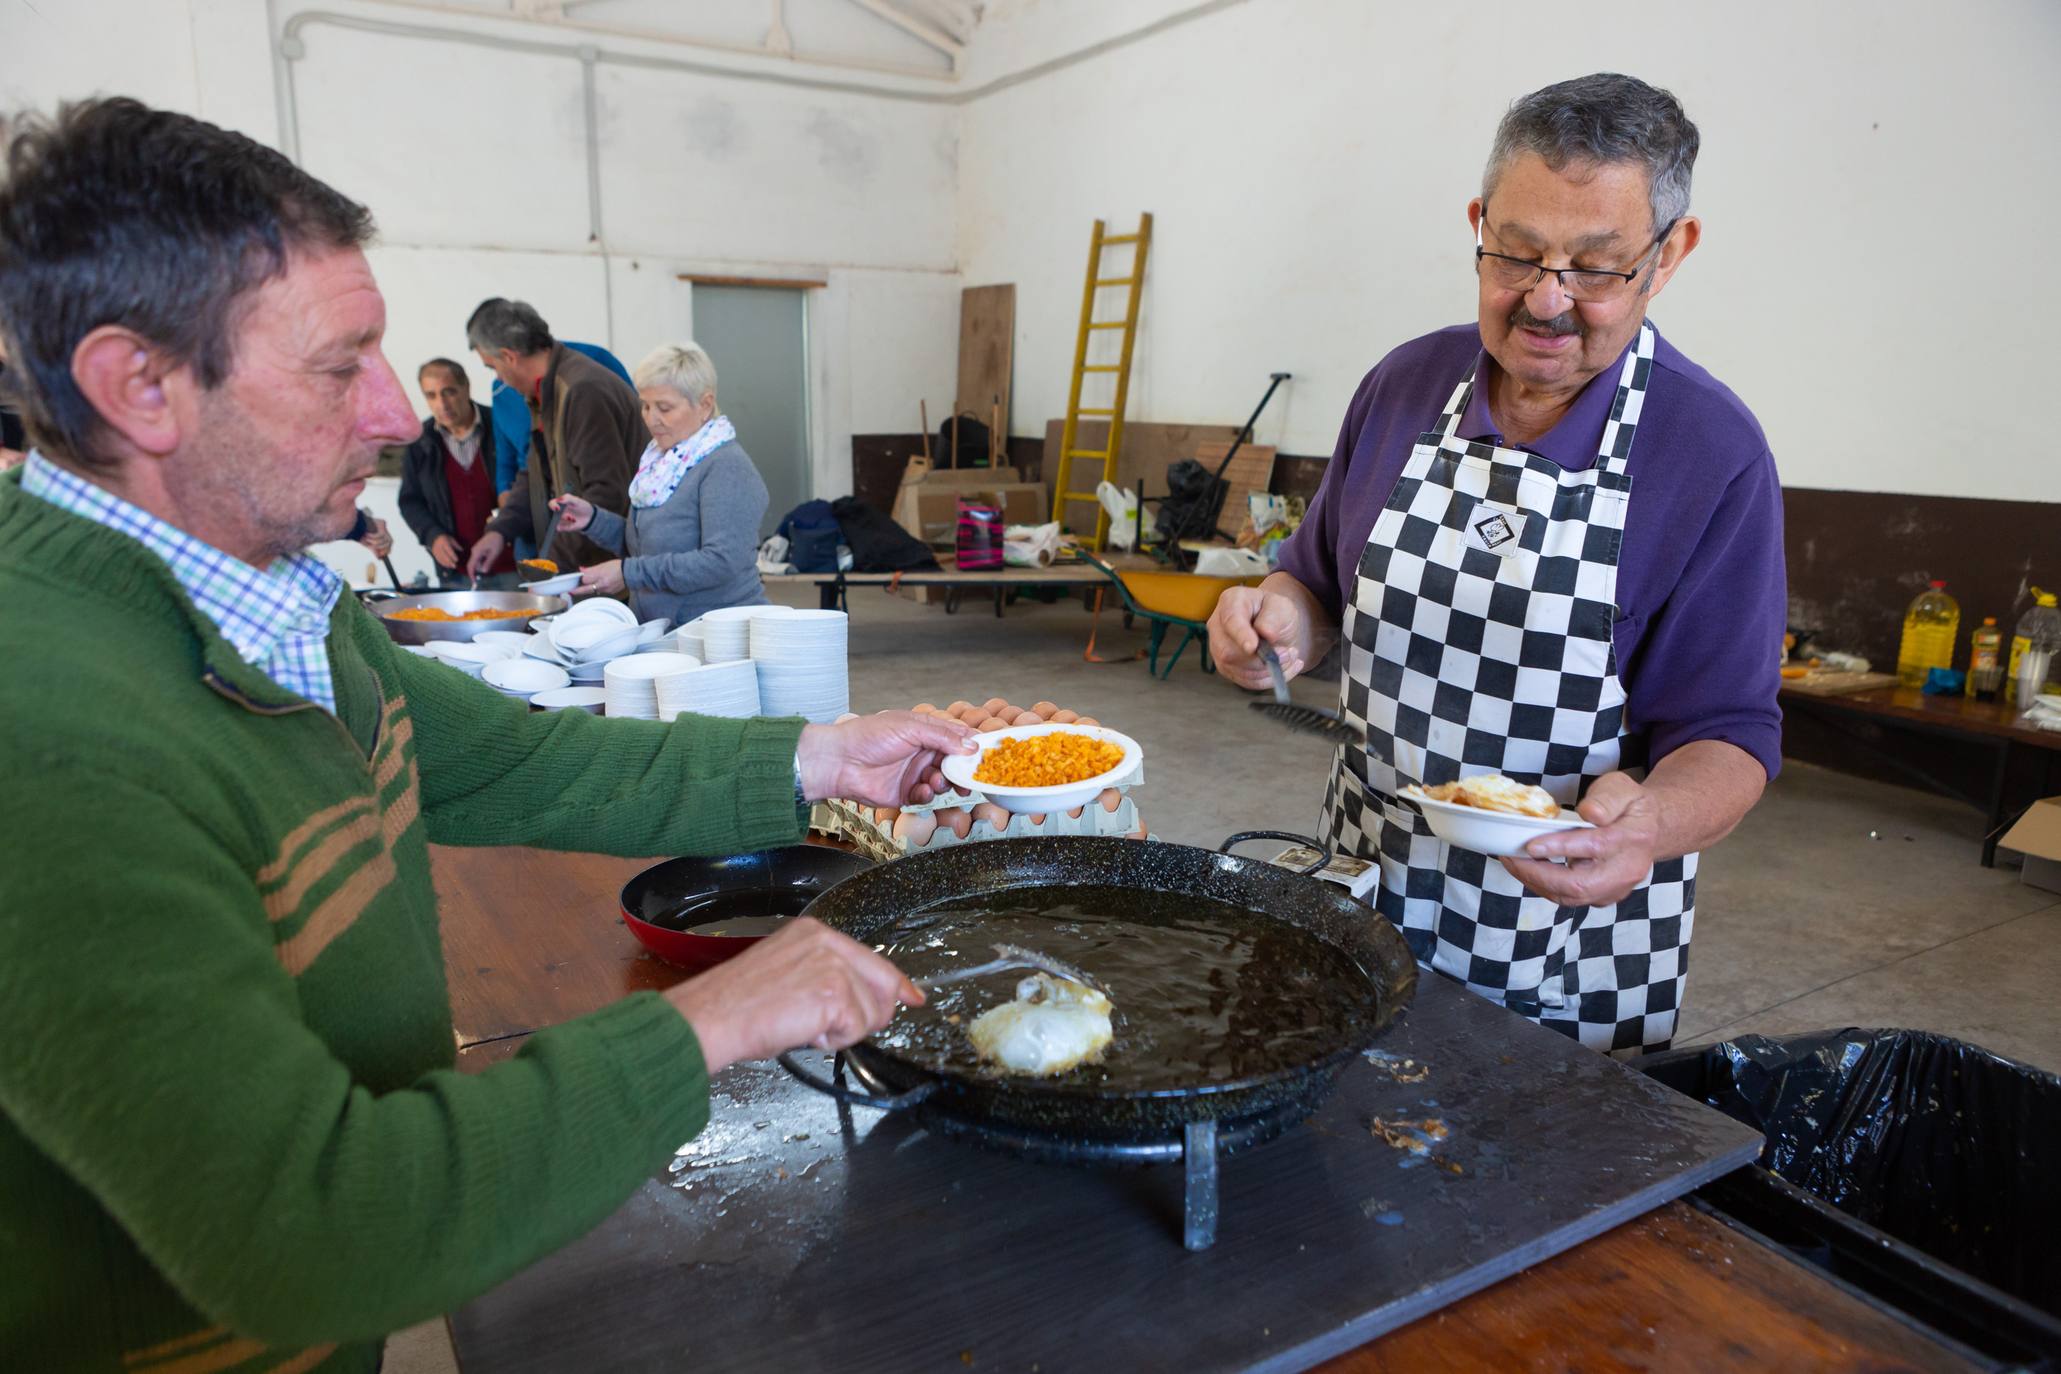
(1012, 956)
(1310, 720)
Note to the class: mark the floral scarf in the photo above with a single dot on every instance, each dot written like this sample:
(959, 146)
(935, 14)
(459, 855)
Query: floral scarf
(658, 474)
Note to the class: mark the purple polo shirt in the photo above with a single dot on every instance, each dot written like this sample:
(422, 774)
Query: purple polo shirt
(1701, 589)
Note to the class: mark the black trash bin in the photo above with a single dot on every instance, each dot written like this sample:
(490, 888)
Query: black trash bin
(1943, 1146)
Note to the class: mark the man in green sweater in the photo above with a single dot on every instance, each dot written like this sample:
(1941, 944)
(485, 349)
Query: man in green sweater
(231, 1137)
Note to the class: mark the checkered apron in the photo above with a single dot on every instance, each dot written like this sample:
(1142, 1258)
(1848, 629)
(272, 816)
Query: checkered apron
(1478, 640)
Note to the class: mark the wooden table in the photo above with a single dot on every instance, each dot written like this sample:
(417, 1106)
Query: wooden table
(831, 586)
(1991, 725)
(532, 938)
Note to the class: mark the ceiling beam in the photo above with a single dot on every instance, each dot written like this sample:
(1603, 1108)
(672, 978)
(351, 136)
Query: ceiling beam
(928, 34)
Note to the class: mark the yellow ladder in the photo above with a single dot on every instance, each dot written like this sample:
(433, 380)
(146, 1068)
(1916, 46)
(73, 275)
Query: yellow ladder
(1134, 281)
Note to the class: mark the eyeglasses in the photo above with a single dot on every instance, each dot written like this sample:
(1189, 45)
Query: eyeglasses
(1580, 283)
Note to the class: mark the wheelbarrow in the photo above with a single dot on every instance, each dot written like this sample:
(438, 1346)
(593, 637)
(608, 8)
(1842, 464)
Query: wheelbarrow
(1169, 600)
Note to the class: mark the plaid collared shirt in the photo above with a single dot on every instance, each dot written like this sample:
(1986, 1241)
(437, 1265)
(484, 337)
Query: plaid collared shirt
(277, 619)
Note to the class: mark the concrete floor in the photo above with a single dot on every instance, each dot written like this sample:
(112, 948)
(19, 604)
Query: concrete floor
(1837, 902)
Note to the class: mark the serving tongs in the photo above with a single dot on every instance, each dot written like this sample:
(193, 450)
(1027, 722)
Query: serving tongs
(1012, 956)
(1310, 720)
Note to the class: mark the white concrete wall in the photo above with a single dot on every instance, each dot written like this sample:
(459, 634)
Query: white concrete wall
(473, 159)
(1869, 170)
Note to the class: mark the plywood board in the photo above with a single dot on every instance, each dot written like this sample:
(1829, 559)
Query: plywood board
(1252, 470)
(1147, 450)
(987, 333)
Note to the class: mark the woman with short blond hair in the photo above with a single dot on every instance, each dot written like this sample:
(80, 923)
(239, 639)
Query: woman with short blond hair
(690, 541)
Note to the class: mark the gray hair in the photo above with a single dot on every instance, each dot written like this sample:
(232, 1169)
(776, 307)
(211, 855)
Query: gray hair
(1602, 119)
(685, 367)
(514, 325)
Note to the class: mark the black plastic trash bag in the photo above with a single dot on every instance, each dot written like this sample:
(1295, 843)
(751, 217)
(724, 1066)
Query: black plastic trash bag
(1944, 1145)
(1194, 496)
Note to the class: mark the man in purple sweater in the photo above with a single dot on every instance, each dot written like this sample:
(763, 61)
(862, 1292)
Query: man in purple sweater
(1551, 547)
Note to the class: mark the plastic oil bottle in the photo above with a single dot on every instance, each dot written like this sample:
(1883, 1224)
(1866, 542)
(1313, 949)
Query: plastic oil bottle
(2039, 631)
(1986, 660)
(1929, 629)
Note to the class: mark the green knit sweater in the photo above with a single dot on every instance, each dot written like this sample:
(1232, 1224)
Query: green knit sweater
(230, 1134)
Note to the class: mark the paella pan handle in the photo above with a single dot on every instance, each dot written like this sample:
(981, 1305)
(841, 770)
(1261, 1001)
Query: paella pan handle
(368, 595)
(856, 1099)
(1323, 850)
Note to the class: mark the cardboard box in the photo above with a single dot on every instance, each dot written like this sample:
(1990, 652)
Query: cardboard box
(930, 509)
(919, 470)
(2038, 837)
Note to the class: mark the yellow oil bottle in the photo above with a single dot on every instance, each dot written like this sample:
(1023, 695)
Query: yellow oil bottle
(1929, 629)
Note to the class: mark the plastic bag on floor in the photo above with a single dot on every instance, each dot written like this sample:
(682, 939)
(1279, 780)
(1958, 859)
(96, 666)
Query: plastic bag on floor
(1944, 1145)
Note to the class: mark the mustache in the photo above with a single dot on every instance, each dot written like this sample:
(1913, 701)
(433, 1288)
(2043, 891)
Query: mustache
(1567, 322)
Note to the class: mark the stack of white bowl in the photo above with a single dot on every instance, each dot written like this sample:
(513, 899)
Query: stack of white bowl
(713, 689)
(726, 634)
(687, 640)
(801, 665)
(630, 683)
(467, 657)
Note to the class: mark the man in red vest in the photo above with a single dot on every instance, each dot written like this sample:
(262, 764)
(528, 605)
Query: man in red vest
(447, 478)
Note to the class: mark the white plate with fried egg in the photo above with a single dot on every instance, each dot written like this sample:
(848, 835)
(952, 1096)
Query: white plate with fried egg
(1498, 833)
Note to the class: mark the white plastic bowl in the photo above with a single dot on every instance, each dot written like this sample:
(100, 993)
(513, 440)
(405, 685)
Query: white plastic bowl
(466, 656)
(600, 606)
(1498, 834)
(560, 585)
(959, 769)
(525, 677)
(586, 699)
(592, 639)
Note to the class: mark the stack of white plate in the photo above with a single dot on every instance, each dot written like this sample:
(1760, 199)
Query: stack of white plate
(714, 689)
(588, 699)
(800, 658)
(630, 684)
(467, 657)
(687, 640)
(523, 678)
(726, 634)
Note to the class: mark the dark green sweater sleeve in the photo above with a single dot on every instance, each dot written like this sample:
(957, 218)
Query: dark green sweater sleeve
(156, 1051)
(494, 772)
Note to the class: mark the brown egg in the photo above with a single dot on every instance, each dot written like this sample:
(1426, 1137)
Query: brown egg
(1075, 814)
(1043, 710)
(958, 708)
(958, 819)
(995, 723)
(987, 813)
(1024, 717)
(995, 706)
(914, 828)
(1087, 720)
(1064, 717)
(1037, 818)
(924, 708)
(885, 815)
(1110, 799)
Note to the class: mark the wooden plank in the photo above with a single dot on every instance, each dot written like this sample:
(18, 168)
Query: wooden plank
(1252, 470)
(785, 283)
(1147, 450)
(987, 336)
(1674, 1289)
(1820, 683)
(533, 938)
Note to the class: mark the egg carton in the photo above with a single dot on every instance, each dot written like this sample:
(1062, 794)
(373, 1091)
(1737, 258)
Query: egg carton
(874, 835)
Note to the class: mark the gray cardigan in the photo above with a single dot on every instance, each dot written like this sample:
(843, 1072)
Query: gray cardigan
(698, 551)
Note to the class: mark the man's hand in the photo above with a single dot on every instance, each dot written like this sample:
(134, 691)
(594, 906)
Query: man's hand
(887, 759)
(1246, 615)
(377, 539)
(604, 579)
(1605, 864)
(573, 513)
(444, 549)
(484, 553)
(12, 458)
(805, 985)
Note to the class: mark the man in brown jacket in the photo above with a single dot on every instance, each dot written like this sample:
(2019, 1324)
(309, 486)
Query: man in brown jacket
(587, 433)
